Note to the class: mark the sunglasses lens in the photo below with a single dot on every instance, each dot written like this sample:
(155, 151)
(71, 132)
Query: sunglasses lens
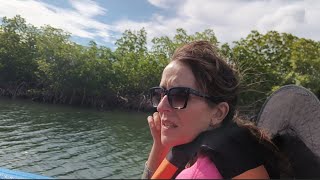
(179, 97)
(156, 96)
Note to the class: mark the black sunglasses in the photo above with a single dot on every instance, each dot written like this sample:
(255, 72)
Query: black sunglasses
(177, 96)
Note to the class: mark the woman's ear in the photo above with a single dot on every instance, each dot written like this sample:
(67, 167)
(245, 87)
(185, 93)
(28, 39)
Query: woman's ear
(221, 111)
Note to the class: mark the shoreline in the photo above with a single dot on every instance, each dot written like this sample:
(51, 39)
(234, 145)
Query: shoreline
(118, 104)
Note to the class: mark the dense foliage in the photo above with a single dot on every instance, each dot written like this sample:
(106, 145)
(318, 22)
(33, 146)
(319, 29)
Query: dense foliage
(43, 64)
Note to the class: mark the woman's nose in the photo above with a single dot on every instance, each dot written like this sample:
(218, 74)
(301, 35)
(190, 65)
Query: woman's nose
(164, 104)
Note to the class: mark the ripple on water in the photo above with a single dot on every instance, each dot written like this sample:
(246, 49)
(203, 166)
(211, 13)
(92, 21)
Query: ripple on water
(64, 142)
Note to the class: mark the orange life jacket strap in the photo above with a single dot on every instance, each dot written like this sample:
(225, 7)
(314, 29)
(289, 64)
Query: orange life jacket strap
(166, 170)
(256, 173)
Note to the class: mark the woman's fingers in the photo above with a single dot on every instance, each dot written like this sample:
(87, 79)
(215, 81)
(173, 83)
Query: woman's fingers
(157, 120)
(151, 123)
(155, 127)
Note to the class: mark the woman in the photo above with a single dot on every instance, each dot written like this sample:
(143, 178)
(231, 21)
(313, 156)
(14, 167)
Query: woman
(198, 94)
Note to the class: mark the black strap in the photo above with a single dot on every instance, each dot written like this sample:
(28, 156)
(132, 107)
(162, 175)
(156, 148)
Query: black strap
(234, 150)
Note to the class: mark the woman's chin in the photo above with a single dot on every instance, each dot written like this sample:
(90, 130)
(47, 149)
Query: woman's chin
(167, 142)
(170, 142)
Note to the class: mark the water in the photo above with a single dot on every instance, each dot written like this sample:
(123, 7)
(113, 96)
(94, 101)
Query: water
(65, 142)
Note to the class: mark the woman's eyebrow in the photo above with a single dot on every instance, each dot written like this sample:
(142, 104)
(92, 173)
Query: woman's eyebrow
(162, 87)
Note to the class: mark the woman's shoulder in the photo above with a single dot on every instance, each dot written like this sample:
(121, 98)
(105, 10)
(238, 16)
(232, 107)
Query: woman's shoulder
(234, 142)
(231, 135)
(234, 150)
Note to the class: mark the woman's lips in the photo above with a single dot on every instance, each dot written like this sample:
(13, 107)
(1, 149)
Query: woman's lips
(168, 124)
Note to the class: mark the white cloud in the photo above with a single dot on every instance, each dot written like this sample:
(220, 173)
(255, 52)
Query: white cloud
(78, 21)
(234, 19)
(87, 7)
(159, 3)
(285, 19)
(165, 3)
(230, 19)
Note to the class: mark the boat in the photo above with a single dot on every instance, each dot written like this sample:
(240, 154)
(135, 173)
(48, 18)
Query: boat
(14, 174)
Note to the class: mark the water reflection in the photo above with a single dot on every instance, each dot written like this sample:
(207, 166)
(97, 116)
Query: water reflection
(65, 142)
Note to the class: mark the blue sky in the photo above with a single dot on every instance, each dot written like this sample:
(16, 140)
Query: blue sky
(104, 20)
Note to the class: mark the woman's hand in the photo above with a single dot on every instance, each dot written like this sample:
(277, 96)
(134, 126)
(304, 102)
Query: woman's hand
(158, 151)
(155, 128)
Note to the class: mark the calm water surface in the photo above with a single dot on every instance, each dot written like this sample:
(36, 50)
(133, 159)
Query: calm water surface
(65, 142)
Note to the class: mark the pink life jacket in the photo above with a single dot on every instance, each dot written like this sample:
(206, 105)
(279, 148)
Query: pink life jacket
(203, 168)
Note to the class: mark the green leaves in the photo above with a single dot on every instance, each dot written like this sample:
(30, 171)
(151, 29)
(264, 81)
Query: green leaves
(164, 46)
(17, 51)
(269, 61)
(61, 71)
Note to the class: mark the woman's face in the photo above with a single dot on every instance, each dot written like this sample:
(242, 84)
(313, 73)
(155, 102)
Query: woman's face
(180, 126)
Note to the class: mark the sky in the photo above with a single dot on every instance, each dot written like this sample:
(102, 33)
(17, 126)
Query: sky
(103, 21)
